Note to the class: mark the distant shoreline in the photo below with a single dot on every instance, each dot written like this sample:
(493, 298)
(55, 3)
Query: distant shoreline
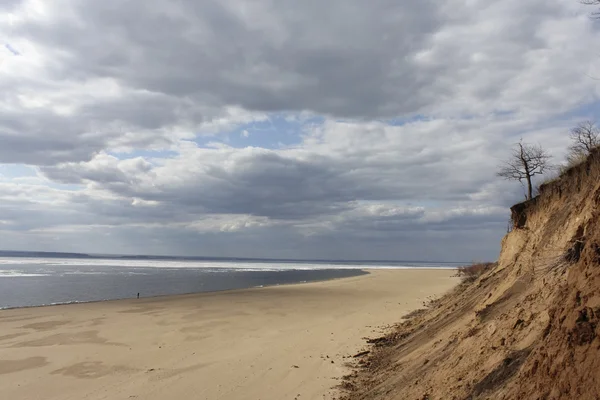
(46, 254)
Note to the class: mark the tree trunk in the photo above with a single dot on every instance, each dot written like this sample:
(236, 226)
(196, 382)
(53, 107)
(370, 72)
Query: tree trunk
(525, 163)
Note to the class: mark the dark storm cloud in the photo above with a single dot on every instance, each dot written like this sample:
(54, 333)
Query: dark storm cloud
(342, 59)
(178, 64)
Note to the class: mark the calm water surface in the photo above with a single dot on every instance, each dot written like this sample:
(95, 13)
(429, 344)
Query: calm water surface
(41, 281)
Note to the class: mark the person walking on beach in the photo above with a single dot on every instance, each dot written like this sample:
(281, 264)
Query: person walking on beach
(138, 295)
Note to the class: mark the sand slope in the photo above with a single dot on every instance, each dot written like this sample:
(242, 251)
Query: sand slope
(528, 328)
(283, 342)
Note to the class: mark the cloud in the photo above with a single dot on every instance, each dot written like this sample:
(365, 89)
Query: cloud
(102, 169)
(140, 122)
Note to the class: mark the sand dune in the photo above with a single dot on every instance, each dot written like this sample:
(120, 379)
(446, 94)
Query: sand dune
(285, 342)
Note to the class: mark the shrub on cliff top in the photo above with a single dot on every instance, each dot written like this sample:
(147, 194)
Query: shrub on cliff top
(470, 273)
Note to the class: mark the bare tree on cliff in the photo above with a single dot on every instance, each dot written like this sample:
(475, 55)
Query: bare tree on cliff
(593, 3)
(526, 161)
(585, 137)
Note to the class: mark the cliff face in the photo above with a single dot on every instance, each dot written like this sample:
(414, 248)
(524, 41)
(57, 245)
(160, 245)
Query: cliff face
(529, 328)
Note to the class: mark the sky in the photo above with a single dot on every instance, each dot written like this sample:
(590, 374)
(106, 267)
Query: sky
(313, 130)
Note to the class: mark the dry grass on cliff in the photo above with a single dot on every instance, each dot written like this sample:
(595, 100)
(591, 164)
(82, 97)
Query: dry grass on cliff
(469, 273)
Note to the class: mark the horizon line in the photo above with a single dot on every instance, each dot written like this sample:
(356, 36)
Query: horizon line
(108, 255)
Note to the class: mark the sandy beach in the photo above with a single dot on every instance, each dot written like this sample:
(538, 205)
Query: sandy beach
(284, 342)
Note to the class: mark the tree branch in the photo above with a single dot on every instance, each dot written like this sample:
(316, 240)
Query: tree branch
(526, 161)
(595, 14)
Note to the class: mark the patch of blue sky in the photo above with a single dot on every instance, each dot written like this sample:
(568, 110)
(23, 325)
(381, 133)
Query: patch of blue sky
(10, 48)
(406, 120)
(204, 141)
(27, 174)
(11, 171)
(589, 110)
(278, 131)
(400, 121)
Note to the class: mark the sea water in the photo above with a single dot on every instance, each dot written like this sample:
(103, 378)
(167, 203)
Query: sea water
(36, 281)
